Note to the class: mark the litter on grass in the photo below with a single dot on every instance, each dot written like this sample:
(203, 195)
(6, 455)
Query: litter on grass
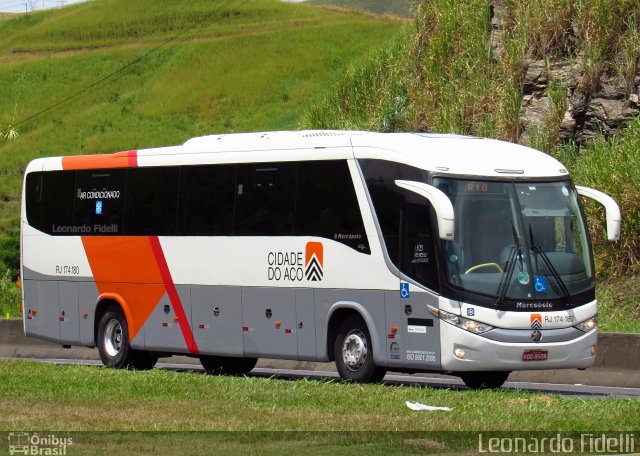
(427, 408)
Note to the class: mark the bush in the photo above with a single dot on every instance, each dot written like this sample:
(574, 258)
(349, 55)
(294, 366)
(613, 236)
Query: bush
(614, 168)
(10, 297)
(10, 254)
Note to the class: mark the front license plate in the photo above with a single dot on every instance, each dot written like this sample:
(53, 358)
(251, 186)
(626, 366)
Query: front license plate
(535, 355)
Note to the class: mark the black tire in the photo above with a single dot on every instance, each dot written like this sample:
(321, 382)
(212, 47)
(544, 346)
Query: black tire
(144, 360)
(353, 352)
(484, 380)
(113, 343)
(222, 365)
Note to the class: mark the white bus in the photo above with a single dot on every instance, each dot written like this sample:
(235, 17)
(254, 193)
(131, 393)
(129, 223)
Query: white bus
(402, 252)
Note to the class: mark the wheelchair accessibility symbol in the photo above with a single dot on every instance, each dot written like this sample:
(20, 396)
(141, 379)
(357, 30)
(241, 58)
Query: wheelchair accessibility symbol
(540, 284)
(404, 290)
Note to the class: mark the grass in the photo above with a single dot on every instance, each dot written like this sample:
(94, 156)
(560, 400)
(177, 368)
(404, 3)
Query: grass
(10, 297)
(404, 8)
(456, 83)
(619, 305)
(244, 69)
(38, 396)
(374, 98)
(614, 168)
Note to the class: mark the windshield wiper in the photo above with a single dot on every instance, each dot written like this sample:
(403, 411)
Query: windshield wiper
(554, 272)
(514, 252)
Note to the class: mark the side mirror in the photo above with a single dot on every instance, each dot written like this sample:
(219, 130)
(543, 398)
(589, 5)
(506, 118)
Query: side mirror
(440, 203)
(611, 207)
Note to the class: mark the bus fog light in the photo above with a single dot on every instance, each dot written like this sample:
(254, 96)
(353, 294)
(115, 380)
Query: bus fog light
(593, 351)
(459, 353)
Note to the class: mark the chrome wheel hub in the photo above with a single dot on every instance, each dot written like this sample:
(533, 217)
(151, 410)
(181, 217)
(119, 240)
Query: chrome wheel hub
(113, 338)
(354, 350)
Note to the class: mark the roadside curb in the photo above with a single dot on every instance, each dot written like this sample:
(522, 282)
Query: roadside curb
(617, 359)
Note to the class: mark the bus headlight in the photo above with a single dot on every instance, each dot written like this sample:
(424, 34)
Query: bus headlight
(588, 325)
(456, 320)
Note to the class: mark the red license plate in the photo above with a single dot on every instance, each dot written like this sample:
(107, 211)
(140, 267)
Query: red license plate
(535, 355)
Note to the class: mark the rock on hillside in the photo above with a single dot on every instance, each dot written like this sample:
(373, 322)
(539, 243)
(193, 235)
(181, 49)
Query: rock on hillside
(590, 111)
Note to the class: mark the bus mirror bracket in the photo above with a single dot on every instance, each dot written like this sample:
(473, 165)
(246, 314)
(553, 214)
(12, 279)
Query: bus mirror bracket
(440, 203)
(614, 218)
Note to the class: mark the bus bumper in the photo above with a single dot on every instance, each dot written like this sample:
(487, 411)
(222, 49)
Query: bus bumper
(482, 354)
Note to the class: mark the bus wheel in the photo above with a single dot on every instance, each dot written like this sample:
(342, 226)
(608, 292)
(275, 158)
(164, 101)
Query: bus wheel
(113, 340)
(353, 352)
(143, 360)
(484, 380)
(227, 365)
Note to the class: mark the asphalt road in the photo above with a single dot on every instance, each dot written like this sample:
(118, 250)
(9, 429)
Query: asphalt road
(583, 391)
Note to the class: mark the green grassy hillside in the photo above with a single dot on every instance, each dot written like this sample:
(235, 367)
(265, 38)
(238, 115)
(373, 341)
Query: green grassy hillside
(400, 7)
(236, 66)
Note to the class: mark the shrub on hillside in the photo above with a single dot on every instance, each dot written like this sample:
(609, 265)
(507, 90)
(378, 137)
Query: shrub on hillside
(614, 168)
(10, 297)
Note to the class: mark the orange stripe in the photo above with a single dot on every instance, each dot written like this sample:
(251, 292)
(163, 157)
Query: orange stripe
(126, 159)
(126, 266)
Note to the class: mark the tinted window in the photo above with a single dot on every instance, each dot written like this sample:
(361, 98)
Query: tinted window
(265, 197)
(152, 201)
(206, 202)
(388, 198)
(99, 201)
(417, 250)
(327, 205)
(49, 199)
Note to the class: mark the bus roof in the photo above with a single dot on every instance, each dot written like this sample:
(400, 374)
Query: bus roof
(443, 153)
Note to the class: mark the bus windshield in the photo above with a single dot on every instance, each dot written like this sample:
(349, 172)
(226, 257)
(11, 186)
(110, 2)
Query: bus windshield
(517, 240)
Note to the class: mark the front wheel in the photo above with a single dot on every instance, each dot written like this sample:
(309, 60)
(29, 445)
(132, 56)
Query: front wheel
(484, 380)
(353, 352)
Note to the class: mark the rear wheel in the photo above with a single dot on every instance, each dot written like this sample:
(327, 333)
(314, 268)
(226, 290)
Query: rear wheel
(353, 352)
(227, 365)
(144, 360)
(113, 343)
(484, 380)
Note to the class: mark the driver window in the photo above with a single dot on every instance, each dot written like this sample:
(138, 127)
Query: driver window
(417, 251)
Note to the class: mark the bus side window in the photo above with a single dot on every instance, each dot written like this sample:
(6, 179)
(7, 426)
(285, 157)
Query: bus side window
(327, 206)
(265, 197)
(49, 200)
(99, 200)
(207, 197)
(417, 250)
(388, 198)
(152, 201)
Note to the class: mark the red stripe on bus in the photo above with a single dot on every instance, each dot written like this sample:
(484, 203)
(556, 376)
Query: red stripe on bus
(132, 156)
(173, 295)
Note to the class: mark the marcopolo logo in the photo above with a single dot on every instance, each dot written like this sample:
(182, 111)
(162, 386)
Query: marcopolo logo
(536, 321)
(296, 266)
(313, 261)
